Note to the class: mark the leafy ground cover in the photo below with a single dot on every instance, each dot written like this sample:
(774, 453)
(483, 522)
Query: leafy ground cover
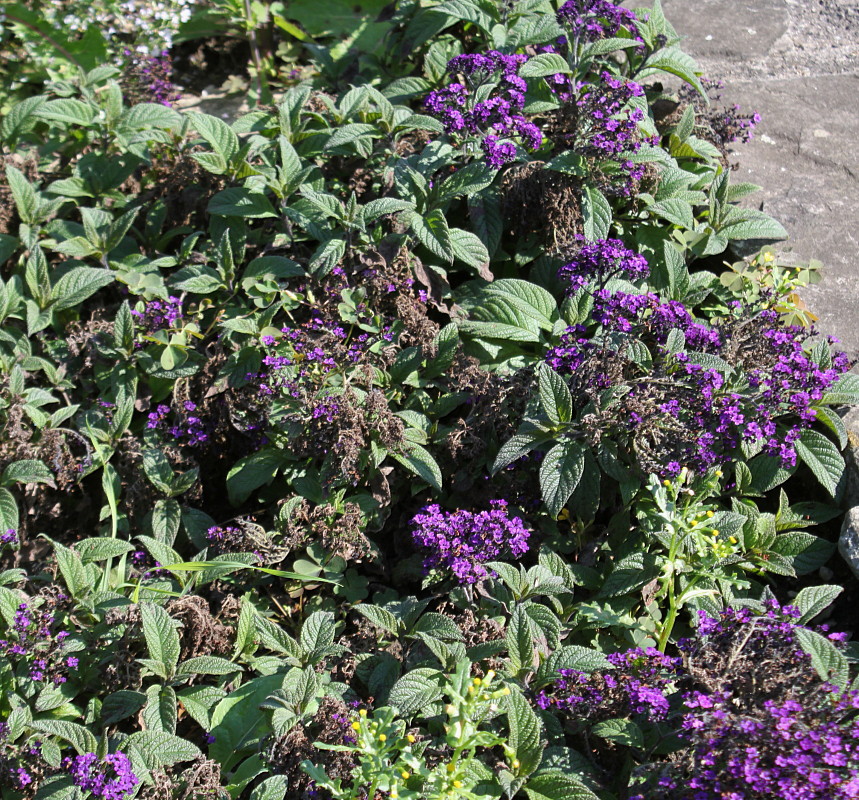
(441, 429)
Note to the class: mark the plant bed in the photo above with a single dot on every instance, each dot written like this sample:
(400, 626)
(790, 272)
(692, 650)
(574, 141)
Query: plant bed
(446, 429)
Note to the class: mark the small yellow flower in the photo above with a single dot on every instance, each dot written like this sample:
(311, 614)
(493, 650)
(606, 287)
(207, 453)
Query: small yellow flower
(710, 515)
(515, 763)
(362, 712)
(382, 737)
(450, 768)
(733, 539)
(719, 473)
(477, 681)
(666, 482)
(405, 775)
(769, 258)
(505, 691)
(457, 784)
(411, 739)
(356, 726)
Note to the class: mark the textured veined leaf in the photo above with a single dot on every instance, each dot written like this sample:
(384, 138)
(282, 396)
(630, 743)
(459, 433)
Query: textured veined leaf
(433, 233)
(822, 458)
(544, 64)
(560, 473)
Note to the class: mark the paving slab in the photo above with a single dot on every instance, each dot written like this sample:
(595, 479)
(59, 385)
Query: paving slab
(796, 62)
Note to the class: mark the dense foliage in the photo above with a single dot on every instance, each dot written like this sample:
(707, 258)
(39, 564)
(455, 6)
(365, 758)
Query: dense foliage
(409, 436)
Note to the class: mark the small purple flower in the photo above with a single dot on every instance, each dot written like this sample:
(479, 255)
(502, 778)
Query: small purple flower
(462, 541)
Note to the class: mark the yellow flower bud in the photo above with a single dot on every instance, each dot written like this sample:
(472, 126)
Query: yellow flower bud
(490, 675)
(733, 539)
(362, 712)
(666, 482)
(457, 784)
(356, 726)
(477, 681)
(394, 793)
(450, 768)
(715, 532)
(505, 691)
(405, 775)
(710, 515)
(382, 737)
(719, 473)
(411, 739)
(515, 763)
(769, 258)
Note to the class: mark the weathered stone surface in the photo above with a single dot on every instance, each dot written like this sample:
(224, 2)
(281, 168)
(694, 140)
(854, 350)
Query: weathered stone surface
(848, 542)
(850, 417)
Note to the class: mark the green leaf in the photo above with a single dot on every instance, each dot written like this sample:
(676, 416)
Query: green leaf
(161, 712)
(240, 202)
(273, 788)
(758, 227)
(217, 133)
(162, 639)
(822, 458)
(23, 194)
(520, 644)
(160, 749)
(814, 599)
(544, 64)
(420, 461)
(415, 691)
(79, 284)
(76, 735)
(555, 398)
(621, 731)
(121, 705)
(20, 118)
(830, 664)
(526, 298)
(237, 721)
(525, 733)
(380, 617)
(470, 250)
(251, 472)
(73, 112)
(560, 473)
(554, 784)
(384, 206)
(844, 392)
(208, 665)
(27, 470)
(317, 636)
(8, 510)
(102, 549)
(674, 61)
(521, 444)
(596, 213)
(674, 210)
(433, 233)
(346, 134)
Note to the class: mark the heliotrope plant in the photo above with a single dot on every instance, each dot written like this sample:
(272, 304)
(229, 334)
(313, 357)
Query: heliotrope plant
(441, 317)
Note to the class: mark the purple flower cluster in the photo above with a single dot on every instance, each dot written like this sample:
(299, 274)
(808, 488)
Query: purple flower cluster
(726, 124)
(591, 20)
(36, 644)
(637, 685)
(598, 261)
(463, 541)
(190, 428)
(9, 537)
(158, 315)
(607, 127)
(761, 725)
(767, 400)
(147, 79)
(227, 538)
(497, 117)
(110, 778)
